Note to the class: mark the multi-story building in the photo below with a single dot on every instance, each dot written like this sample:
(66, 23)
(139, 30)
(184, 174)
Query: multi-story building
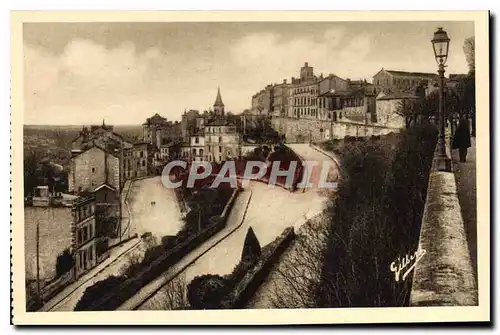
(84, 239)
(101, 135)
(92, 168)
(262, 102)
(281, 97)
(390, 81)
(222, 141)
(212, 136)
(152, 129)
(58, 224)
(355, 104)
(197, 144)
(304, 94)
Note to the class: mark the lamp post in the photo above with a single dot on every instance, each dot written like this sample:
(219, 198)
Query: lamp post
(440, 44)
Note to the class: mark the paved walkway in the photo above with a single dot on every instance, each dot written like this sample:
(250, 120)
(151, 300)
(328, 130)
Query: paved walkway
(147, 297)
(465, 175)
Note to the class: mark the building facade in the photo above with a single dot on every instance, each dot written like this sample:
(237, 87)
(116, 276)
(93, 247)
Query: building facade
(222, 141)
(197, 147)
(93, 167)
(281, 99)
(61, 223)
(388, 107)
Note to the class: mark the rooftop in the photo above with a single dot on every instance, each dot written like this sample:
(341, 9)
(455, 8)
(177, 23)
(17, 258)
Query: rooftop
(411, 74)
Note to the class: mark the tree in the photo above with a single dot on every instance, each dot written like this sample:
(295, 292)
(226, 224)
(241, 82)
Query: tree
(207, 291)
(251, 247)
(469, 103)
(64, 263)
(172, 296)
(32, 170)
(469, 48)
(298, 273)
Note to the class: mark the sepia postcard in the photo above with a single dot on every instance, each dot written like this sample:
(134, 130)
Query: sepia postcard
(250, 168)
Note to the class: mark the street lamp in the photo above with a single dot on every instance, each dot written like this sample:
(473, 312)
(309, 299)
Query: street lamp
(440, 44)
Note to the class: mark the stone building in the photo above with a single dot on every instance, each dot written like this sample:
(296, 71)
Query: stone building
(281, 98)
(304, 93)
(101, 135)
(388, 106)
(222, 141)
(93, 167)
(212, 136)
(84, 235)
(152, 129)
(197, 146)
(262, 102)
(390, 81)
(65, 223)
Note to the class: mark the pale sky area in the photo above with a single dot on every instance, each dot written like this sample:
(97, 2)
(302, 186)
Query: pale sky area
(80, 73)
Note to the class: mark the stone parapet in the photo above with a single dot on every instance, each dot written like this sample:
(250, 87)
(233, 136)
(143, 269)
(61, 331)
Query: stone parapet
(444, 275)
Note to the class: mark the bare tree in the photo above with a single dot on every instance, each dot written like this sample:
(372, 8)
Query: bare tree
(298, 273)
(173, 296)
(469, 48)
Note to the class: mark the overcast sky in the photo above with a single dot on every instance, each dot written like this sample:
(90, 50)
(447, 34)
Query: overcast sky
(80, 73)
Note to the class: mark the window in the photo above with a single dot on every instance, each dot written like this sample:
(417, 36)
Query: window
(220, 149)
(143, 163)
(90, 231)
(201, 152)
(79, 239)
(84, 234)
(196, 140)
(194, 151)
(220, 139)
(93, 170)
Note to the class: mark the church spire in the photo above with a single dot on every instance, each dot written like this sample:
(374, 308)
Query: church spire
(218, 100)
(218, 104)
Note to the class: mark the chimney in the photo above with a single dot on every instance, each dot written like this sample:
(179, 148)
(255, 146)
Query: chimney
(284, 81)
(306, 64)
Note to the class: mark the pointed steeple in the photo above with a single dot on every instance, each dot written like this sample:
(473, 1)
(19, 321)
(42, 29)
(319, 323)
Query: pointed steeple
(218, 100)
(218, 104)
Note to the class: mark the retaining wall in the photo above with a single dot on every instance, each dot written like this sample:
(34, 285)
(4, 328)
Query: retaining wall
(132, 285)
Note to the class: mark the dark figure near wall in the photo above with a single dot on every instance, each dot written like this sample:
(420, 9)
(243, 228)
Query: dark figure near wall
(461, 139)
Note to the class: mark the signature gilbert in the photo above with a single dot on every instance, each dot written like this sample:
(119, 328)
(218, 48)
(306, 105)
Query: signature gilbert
(407, 263)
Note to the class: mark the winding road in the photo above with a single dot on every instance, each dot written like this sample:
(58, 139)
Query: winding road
(270, 211)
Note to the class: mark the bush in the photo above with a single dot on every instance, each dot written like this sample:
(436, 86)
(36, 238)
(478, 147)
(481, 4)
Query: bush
(64, 263)
(375, 218)
(97, 291)
(207, 291)
(168, 242)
